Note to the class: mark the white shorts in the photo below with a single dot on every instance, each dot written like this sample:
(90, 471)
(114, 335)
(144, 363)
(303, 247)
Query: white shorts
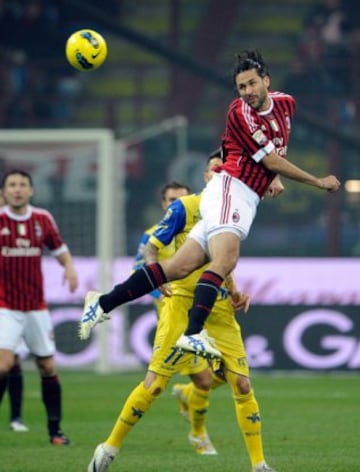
(34, 327)
(227, 205)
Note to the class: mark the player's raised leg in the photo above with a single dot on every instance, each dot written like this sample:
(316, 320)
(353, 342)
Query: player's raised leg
(97, 306)
(144, 280)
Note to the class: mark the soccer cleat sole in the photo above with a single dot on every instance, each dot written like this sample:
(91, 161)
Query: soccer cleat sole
(204, 355)
(199, 344)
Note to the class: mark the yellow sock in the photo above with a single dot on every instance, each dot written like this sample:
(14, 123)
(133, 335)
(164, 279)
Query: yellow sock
(187, 391)
(137, 403)
(198, 402)
(248, 418)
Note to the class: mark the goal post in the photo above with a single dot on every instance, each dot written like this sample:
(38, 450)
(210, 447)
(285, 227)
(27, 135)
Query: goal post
(79, 176)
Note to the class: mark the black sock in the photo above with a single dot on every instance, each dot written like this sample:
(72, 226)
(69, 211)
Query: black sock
(3, 385)
(51, 396)
(15, 389)
(206, 292)
(138, 284)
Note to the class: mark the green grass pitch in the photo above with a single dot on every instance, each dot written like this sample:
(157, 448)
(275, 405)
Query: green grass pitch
(310, 423)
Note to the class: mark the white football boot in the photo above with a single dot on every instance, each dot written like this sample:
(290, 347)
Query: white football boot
(102, 458)
(92, 315)
(200, 344)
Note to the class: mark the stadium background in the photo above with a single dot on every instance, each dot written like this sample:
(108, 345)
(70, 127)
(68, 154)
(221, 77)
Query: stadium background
(163, 92)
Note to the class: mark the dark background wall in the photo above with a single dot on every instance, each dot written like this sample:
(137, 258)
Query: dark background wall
(175, 57)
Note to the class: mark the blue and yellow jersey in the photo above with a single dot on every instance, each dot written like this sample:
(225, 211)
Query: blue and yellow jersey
(172, 231)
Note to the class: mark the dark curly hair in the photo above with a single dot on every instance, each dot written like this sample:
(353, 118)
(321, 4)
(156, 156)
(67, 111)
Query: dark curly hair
(250, 60)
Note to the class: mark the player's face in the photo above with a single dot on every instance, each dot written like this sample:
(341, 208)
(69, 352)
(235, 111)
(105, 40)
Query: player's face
(173, 194)
(17, 191)
(253, 89)
(214, 162)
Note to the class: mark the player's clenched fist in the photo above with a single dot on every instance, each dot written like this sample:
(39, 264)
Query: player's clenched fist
(329, 183)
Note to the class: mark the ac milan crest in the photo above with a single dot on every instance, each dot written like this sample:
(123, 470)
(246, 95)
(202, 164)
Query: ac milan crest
(236, 217)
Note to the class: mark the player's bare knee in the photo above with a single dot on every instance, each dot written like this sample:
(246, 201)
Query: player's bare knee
(46, 366)
(223, 266)
(4, 369)
(243, 385)
(230, 262)
(155, 384)
(202, 380)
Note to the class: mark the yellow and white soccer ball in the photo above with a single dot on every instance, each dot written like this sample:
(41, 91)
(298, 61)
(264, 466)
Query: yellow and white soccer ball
(86, 50)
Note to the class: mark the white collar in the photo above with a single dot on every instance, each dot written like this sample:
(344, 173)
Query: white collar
(269, 110)
(16, 217)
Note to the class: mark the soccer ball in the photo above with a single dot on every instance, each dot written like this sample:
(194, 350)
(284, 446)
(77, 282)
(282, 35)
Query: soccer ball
(86, 50)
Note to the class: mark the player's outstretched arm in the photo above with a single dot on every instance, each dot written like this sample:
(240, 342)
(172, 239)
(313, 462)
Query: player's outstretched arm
(285, 168)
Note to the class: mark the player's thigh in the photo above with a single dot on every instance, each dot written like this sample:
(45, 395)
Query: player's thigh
(166, 359)
(11, 328)
(189, 257)
(39, 333)
(228, 205)
(224, 249)
(223, 327)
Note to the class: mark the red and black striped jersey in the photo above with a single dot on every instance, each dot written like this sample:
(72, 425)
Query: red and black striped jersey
(23, 239)
(250, 135)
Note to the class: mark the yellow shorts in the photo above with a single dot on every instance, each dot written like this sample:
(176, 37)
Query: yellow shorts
(225, 330)
(221, 325)
(166, 359)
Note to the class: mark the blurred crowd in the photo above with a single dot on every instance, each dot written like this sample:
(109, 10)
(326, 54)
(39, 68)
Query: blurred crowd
(39, 89)
(37, 86)
(325, 70)
(30, 34)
